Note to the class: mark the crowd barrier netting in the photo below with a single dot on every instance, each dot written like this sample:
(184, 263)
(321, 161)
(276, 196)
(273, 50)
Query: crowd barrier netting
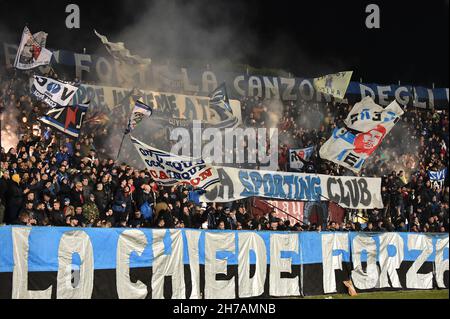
(60, 262)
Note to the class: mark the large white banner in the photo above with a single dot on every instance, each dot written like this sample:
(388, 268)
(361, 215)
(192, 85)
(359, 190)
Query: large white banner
(168, 169)
(165, 78)
(175, 106)
(130, 263)
(32, 52)
(53, 92)
(350, 149)
(347, 191)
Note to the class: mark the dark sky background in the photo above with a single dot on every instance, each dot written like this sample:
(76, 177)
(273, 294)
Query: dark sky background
(308, 38)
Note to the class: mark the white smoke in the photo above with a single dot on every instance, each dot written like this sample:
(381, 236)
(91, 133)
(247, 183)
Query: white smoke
(199, 35)
(10, 125)
(398, 151)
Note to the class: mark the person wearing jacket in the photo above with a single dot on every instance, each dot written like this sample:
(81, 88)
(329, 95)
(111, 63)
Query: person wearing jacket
(90, 210)
(145, 194)
(76, 195)
(122, 206)
(14, 197)
(101, 198)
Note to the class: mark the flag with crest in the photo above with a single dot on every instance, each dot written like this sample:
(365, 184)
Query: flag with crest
(31, 52)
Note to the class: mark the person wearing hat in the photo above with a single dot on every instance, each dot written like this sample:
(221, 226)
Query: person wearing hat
(73, 221)
(200, 216)
(14, 195)
(66, 203)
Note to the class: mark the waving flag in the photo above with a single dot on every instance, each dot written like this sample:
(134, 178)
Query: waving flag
(334, 84)
(168, 169)
(219, 105)
(66, 119)
(296, 153)
(367, 115)
(438, 177)
(53, 92)
(32, 52)
(140, 111)
(219, 98)
(352, 149)
(120, 53)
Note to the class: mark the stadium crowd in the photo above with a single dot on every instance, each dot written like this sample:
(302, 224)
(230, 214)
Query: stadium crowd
(49, 179)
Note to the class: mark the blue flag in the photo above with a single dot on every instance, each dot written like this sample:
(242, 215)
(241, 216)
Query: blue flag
(438, 177)
(67, 119)
(219, 98)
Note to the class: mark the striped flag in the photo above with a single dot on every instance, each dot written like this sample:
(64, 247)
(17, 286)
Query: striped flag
(139, 113)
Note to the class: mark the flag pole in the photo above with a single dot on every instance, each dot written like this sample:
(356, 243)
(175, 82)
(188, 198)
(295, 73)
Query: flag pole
(125, 132)
(120, 147)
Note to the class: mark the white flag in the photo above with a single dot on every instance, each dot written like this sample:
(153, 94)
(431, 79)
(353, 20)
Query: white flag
(351, 150)
(32, 52)
(119, 52)
(53, 92)
(140, 111)
(366, 114)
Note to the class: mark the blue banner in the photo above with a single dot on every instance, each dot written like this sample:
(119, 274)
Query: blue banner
(166, 252)
(104, 71)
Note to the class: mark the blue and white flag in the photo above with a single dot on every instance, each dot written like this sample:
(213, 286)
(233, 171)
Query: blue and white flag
(52, 92)
(139, 113)
(438, 177)
(366, 115)
(66, 119)
(296, 154)
(350, 149)
(219, 106)
(219, 98)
